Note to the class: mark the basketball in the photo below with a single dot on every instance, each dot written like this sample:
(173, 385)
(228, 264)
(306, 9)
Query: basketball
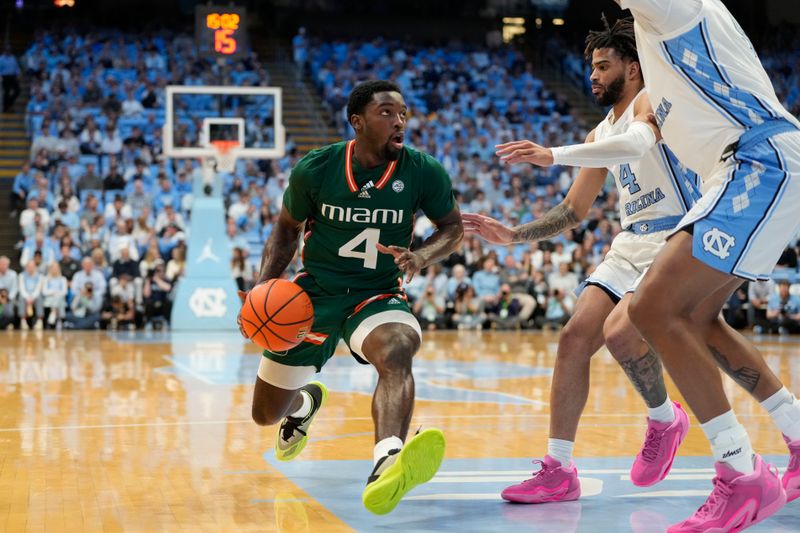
(277, 314)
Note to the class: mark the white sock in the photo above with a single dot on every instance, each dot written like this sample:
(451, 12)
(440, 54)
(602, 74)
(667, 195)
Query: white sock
(784, 409)
(560, 450)
(383, 447)
(664, 413)
(729, 442)
(305, 408)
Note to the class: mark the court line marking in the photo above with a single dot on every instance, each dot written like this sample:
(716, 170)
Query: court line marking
(334, 419)
(665, 493)
(583, 471)
(189, 371)
(281, 500)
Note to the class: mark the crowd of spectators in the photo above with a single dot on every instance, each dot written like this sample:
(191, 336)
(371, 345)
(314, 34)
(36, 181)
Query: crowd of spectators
(104, 219)
(103, 216)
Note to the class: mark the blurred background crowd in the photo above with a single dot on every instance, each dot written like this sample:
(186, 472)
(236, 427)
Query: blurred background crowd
(104, 218)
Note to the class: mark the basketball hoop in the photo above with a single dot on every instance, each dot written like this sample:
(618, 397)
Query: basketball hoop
(226, 151)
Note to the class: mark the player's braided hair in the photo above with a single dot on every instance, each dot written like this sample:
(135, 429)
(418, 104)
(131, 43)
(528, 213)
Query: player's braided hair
(620, 37)
(363, 92)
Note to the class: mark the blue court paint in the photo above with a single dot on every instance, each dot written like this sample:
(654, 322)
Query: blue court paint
(464, 497)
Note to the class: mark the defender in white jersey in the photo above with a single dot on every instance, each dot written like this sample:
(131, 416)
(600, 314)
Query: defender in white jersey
(716, 108)
(655, 193)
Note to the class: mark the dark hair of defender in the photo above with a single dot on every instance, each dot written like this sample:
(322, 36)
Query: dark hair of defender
(620, 37)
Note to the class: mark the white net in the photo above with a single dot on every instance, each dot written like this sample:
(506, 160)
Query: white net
(225, 155)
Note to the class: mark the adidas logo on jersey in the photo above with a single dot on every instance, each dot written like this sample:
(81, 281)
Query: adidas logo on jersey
(394, 301)
(364, 194)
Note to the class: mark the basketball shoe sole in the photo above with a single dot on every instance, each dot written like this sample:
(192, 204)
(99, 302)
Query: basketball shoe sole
(417, 463)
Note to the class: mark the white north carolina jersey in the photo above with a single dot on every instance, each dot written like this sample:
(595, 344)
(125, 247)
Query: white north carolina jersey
(657, 185)
(700, 105)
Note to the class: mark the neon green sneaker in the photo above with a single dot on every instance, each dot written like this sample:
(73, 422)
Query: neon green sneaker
(402, 470)
(293, 433)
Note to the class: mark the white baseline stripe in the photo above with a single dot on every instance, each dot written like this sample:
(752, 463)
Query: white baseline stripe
(474, 496)
(189, 371)
(666, 493)
(679, 477)
(582, 471)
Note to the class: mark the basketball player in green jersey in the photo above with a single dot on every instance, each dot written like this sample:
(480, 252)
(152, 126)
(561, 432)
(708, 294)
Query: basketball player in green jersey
(357, 200)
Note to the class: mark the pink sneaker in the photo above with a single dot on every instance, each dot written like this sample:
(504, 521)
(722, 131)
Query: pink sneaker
(661, 443)
(552, 483)
(738, 500)
(791, 477)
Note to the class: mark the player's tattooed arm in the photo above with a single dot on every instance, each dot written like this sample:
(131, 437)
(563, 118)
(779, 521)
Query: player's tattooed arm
(569, 213)
(559, 219)
(647, 378)
(280, 247)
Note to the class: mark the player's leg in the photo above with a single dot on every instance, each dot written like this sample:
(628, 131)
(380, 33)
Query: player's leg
(740, 359)
(284, 392)
(384, 333)
(390, 348)
(667, 422)
(661, 310)
(557, 479)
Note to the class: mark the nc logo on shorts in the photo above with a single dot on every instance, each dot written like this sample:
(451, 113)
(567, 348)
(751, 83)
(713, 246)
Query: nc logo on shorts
(398, 186)
(718, 243)
(643, 228)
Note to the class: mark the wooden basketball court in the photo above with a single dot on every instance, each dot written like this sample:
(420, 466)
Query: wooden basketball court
(103, 432)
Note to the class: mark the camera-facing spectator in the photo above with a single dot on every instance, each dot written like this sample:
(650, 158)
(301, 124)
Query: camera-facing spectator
(121, 312)
(30, 308)
(87, 302)
(68, 264)
(486, 282)
(90, 180)
(783, 310)
(429, 309)
(758, 294)
(88, 274)
(467, 308)
(9, 280)
(6, 310)
(504, 312)
(176, 266)
(54, 294)
(558, 309)
(458, 277)
(157, 291)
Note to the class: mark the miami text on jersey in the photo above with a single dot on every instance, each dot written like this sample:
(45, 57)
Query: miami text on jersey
(362, 215)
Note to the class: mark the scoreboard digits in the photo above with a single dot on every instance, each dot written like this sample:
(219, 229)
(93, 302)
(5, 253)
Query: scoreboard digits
(221, 31)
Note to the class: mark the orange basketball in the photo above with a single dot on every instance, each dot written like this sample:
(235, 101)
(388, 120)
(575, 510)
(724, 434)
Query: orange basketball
(277, 314)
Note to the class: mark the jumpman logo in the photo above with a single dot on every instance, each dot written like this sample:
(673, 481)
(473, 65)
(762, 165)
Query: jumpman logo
(207, 254)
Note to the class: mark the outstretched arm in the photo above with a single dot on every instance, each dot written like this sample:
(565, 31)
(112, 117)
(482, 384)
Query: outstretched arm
(562, 217)
(626, 147)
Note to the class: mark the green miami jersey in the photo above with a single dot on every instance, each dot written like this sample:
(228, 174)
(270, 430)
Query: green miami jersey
(350, 209)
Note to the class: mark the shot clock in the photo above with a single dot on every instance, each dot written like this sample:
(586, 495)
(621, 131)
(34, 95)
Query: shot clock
(221, 31)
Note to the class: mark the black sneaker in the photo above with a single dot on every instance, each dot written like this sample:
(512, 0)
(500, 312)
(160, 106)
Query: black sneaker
(293, 433)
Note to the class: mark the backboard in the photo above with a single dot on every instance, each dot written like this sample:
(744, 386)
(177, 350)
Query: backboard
(198, 115)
